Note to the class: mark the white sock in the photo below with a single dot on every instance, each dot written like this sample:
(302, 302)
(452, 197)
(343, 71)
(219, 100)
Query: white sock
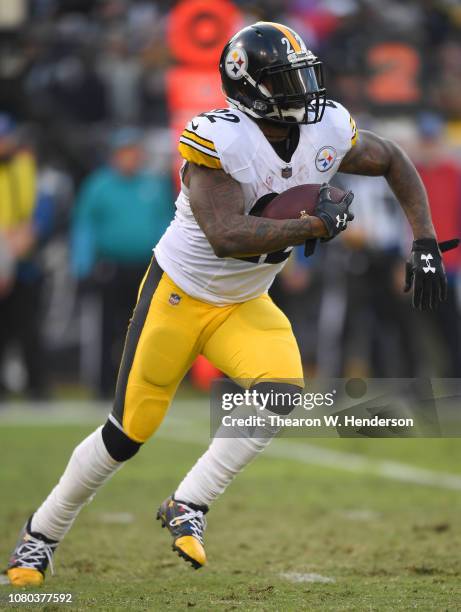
(89, 467)
(218, 466)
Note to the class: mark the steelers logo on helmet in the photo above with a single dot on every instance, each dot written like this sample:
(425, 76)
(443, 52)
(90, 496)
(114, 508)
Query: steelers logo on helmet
(325, 158)
(236, 63)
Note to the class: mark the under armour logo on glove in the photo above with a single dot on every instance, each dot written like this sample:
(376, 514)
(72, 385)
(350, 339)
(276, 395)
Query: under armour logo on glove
(341, 220)
(427, 268)
(426, 256)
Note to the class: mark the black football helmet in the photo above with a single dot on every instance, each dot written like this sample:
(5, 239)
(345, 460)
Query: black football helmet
(268, 73)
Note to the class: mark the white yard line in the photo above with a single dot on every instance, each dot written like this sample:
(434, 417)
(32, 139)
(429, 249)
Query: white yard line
(116, 518)
(196, 431)
(351, 462)
(298, 577)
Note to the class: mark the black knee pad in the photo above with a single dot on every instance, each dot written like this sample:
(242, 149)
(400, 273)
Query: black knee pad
(119, 446)
(279, 405)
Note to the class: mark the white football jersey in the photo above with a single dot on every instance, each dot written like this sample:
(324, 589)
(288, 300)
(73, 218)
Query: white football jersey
(229, 140)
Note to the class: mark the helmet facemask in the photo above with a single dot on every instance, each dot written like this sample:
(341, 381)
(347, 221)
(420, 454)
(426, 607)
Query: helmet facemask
(286, 93)
(292, 94)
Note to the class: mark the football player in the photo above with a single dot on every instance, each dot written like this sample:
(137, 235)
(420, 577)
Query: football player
(217, 263)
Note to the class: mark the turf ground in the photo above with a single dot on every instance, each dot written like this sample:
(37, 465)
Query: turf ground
(325, 525)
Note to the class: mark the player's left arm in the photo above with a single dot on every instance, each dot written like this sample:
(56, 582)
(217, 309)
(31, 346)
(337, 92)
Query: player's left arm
(376, 156)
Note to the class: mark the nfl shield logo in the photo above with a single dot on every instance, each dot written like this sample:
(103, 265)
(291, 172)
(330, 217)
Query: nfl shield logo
(287, 172)
(174, 299)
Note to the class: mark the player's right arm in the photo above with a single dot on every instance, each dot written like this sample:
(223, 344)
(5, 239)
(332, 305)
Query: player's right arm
(216, 200)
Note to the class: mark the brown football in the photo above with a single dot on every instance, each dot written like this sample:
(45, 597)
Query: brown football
(293, 203)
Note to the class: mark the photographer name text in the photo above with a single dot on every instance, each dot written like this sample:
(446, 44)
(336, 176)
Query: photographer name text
(276, 420)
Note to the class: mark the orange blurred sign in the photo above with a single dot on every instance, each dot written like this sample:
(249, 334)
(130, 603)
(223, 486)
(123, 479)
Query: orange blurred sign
(199, 29)
(192, 90)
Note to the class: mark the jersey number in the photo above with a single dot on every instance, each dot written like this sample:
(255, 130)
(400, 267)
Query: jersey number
(221, 113)
(271, 258)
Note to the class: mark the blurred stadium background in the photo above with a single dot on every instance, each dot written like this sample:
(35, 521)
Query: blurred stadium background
(94, 92)
(92, 96)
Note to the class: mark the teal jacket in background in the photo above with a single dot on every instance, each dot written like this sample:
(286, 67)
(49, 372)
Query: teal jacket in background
(119, 219)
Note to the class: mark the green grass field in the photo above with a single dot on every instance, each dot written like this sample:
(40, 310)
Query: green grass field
(378, 520)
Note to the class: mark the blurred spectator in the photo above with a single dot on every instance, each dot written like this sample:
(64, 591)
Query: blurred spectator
(441, 175)
(121, 73)
(445, 87)
(25, 220)
(121, 213)
(62, 78)
(377, 336)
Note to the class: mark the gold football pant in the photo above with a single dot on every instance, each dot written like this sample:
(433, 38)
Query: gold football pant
(249, 341)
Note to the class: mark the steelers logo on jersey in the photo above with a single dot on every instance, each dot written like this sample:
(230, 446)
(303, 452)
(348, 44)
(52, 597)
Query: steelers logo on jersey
(325, 158)
(236, 63)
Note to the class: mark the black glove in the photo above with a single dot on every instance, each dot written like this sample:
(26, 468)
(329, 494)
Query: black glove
(426, 272)
(335, 215)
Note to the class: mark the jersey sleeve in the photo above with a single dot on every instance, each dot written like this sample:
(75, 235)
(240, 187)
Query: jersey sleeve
(197, 144)
(217, 140)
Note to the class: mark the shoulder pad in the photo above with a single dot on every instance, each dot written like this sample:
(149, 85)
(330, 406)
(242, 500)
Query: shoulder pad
(212, 139)
(342, 122)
